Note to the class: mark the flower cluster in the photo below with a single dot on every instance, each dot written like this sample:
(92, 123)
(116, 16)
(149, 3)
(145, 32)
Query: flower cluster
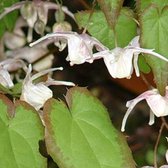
(36, 94)
(119, 62)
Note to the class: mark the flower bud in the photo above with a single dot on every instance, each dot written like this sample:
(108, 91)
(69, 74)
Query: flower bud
(28, 12)
(61, 27)
(39, 27)
(59, 15)
(42, 13)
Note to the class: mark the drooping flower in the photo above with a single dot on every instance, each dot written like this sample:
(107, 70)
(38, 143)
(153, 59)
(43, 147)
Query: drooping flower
(158, 105)
(36, 94)
(6, 66)
(120, 61)
(80, 46)
(35, 13)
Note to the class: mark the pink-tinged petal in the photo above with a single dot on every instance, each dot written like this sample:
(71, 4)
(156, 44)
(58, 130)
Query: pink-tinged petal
(158, 104)
(80, 46)
(119, 62)
(132, 103)
(134, 42)
(166, 156)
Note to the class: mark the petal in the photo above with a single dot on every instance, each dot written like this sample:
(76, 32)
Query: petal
(151, 118)
(36, 95)
(132, 103)
(158, 104)
(119, 62)
(5, 78)
(135, 59)
(134, 42)
(78, 51)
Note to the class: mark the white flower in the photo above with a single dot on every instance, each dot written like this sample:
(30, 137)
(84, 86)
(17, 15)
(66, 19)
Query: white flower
(36, 94)
(120, 61)
(80, 46)
(5, 79)
(157, 103)
(6, 66)
(32, 11)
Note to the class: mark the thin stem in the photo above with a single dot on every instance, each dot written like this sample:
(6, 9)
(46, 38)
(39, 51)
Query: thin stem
(146, 81)
(91, 13)
(156, 145)
(164, 122)
(12, 8)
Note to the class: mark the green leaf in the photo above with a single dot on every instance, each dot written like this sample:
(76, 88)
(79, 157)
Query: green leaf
(98, 27)
(15, 91)
(154, 30)
(21, 130)
(111, 10)
(81, 134)
(8, 22)
(143, 66)
(143, 4)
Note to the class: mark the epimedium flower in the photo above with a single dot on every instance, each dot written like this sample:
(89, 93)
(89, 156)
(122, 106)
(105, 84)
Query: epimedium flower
(121, 61)
(36, 94)
(6, 66)
(80, 46)
(158, 105)
(35, 14)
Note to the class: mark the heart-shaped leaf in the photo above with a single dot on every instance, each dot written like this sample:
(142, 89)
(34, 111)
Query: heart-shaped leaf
(143, 4)
(97, 26)
(154, 30)
(81, 135)
(20, 132)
